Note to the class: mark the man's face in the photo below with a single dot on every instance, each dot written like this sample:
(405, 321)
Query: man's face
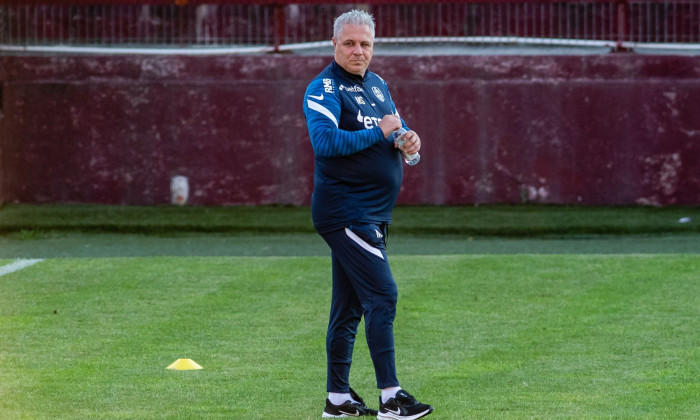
(354, 48)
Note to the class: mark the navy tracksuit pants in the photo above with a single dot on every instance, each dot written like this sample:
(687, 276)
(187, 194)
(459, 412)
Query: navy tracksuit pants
(362, 285)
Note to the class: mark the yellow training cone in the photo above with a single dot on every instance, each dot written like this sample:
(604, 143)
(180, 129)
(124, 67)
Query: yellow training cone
(184, 364)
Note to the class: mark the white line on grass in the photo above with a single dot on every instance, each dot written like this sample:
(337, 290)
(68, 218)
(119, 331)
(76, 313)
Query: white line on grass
(17, 265)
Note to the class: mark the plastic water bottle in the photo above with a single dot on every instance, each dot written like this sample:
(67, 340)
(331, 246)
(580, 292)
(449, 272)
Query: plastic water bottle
(397, 136)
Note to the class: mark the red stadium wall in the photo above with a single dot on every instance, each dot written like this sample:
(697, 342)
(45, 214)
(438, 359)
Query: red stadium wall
(617, 129)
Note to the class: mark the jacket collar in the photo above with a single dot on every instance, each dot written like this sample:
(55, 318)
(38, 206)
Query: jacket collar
(337, 69)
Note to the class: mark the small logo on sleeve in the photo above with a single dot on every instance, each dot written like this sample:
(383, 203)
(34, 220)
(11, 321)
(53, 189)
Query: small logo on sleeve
(328, 85)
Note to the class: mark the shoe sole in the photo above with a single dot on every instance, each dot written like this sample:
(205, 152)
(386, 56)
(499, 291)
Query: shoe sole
(326, 416)
(389, 416)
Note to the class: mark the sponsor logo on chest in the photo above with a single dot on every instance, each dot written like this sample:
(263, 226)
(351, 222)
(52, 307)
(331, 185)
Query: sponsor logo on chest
(367, 121)
(352, 89)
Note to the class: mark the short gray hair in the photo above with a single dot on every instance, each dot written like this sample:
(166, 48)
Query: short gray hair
(353, 17)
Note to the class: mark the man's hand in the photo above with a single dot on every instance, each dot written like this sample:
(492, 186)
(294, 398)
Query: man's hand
(412, 143)
(389, 124)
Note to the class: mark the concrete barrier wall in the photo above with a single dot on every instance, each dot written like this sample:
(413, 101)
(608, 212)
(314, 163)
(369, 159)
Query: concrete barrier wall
(617, 129)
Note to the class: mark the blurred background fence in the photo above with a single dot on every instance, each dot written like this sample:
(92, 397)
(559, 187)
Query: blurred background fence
(160, 95)
(279, 25)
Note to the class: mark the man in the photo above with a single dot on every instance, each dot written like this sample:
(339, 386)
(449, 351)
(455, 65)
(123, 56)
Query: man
(358, 172)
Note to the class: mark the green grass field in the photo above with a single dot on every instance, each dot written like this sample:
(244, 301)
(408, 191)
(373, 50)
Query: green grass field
(496, 334)
(517, 336)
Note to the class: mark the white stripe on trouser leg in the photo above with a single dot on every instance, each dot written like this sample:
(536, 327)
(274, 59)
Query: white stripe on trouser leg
(363, 244)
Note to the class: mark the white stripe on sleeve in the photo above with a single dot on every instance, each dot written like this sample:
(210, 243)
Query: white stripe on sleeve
(323, 110)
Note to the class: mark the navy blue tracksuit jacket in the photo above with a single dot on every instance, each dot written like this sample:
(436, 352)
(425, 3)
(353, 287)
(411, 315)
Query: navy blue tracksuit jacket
(358, 172)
